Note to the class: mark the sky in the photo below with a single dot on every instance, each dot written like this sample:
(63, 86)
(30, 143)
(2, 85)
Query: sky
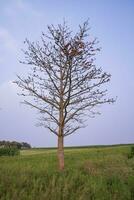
(112, 22)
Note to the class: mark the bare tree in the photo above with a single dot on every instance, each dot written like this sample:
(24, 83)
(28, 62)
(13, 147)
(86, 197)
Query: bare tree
(63, 84)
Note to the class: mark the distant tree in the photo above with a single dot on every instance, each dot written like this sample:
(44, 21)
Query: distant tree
(15, 144)
(25, 145)
(64, 84)
(18, 145)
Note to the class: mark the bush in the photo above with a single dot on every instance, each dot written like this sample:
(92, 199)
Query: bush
(9, 151)
(131, 153)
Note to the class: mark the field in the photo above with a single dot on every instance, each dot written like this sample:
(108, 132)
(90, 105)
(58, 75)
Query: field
(102, 173)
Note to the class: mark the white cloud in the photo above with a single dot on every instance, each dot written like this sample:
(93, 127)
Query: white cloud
(9, 86)
(8, 94)
(6, 40)
(11, 9)
(20, 6)
(1, 60)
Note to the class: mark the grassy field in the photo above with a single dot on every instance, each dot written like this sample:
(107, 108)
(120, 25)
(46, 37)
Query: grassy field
(102, 173)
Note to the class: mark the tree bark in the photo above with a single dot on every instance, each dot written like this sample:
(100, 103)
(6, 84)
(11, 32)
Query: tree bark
(61, 152)
(61, 125)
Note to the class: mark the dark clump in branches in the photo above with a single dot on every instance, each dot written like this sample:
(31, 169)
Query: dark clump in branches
(64, 84)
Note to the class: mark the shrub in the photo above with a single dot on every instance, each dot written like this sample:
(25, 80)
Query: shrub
(131, 153)
(9, 151)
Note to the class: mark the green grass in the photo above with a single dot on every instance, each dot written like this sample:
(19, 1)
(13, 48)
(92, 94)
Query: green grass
(102, 173)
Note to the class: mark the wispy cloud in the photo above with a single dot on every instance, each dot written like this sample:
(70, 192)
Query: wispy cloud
(20, 6)
(8, 91)
(7, 41)
(1, 60)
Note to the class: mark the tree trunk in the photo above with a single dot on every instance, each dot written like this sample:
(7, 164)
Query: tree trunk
(61, 152)
(61, 125)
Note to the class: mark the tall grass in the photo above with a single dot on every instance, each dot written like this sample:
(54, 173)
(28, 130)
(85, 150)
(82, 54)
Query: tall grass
(90, 173)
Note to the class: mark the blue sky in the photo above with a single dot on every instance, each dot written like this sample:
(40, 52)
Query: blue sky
(112, 22)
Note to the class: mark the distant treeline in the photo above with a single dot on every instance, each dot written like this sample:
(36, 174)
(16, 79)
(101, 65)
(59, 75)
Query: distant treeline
(82, 147)
(18, 145)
